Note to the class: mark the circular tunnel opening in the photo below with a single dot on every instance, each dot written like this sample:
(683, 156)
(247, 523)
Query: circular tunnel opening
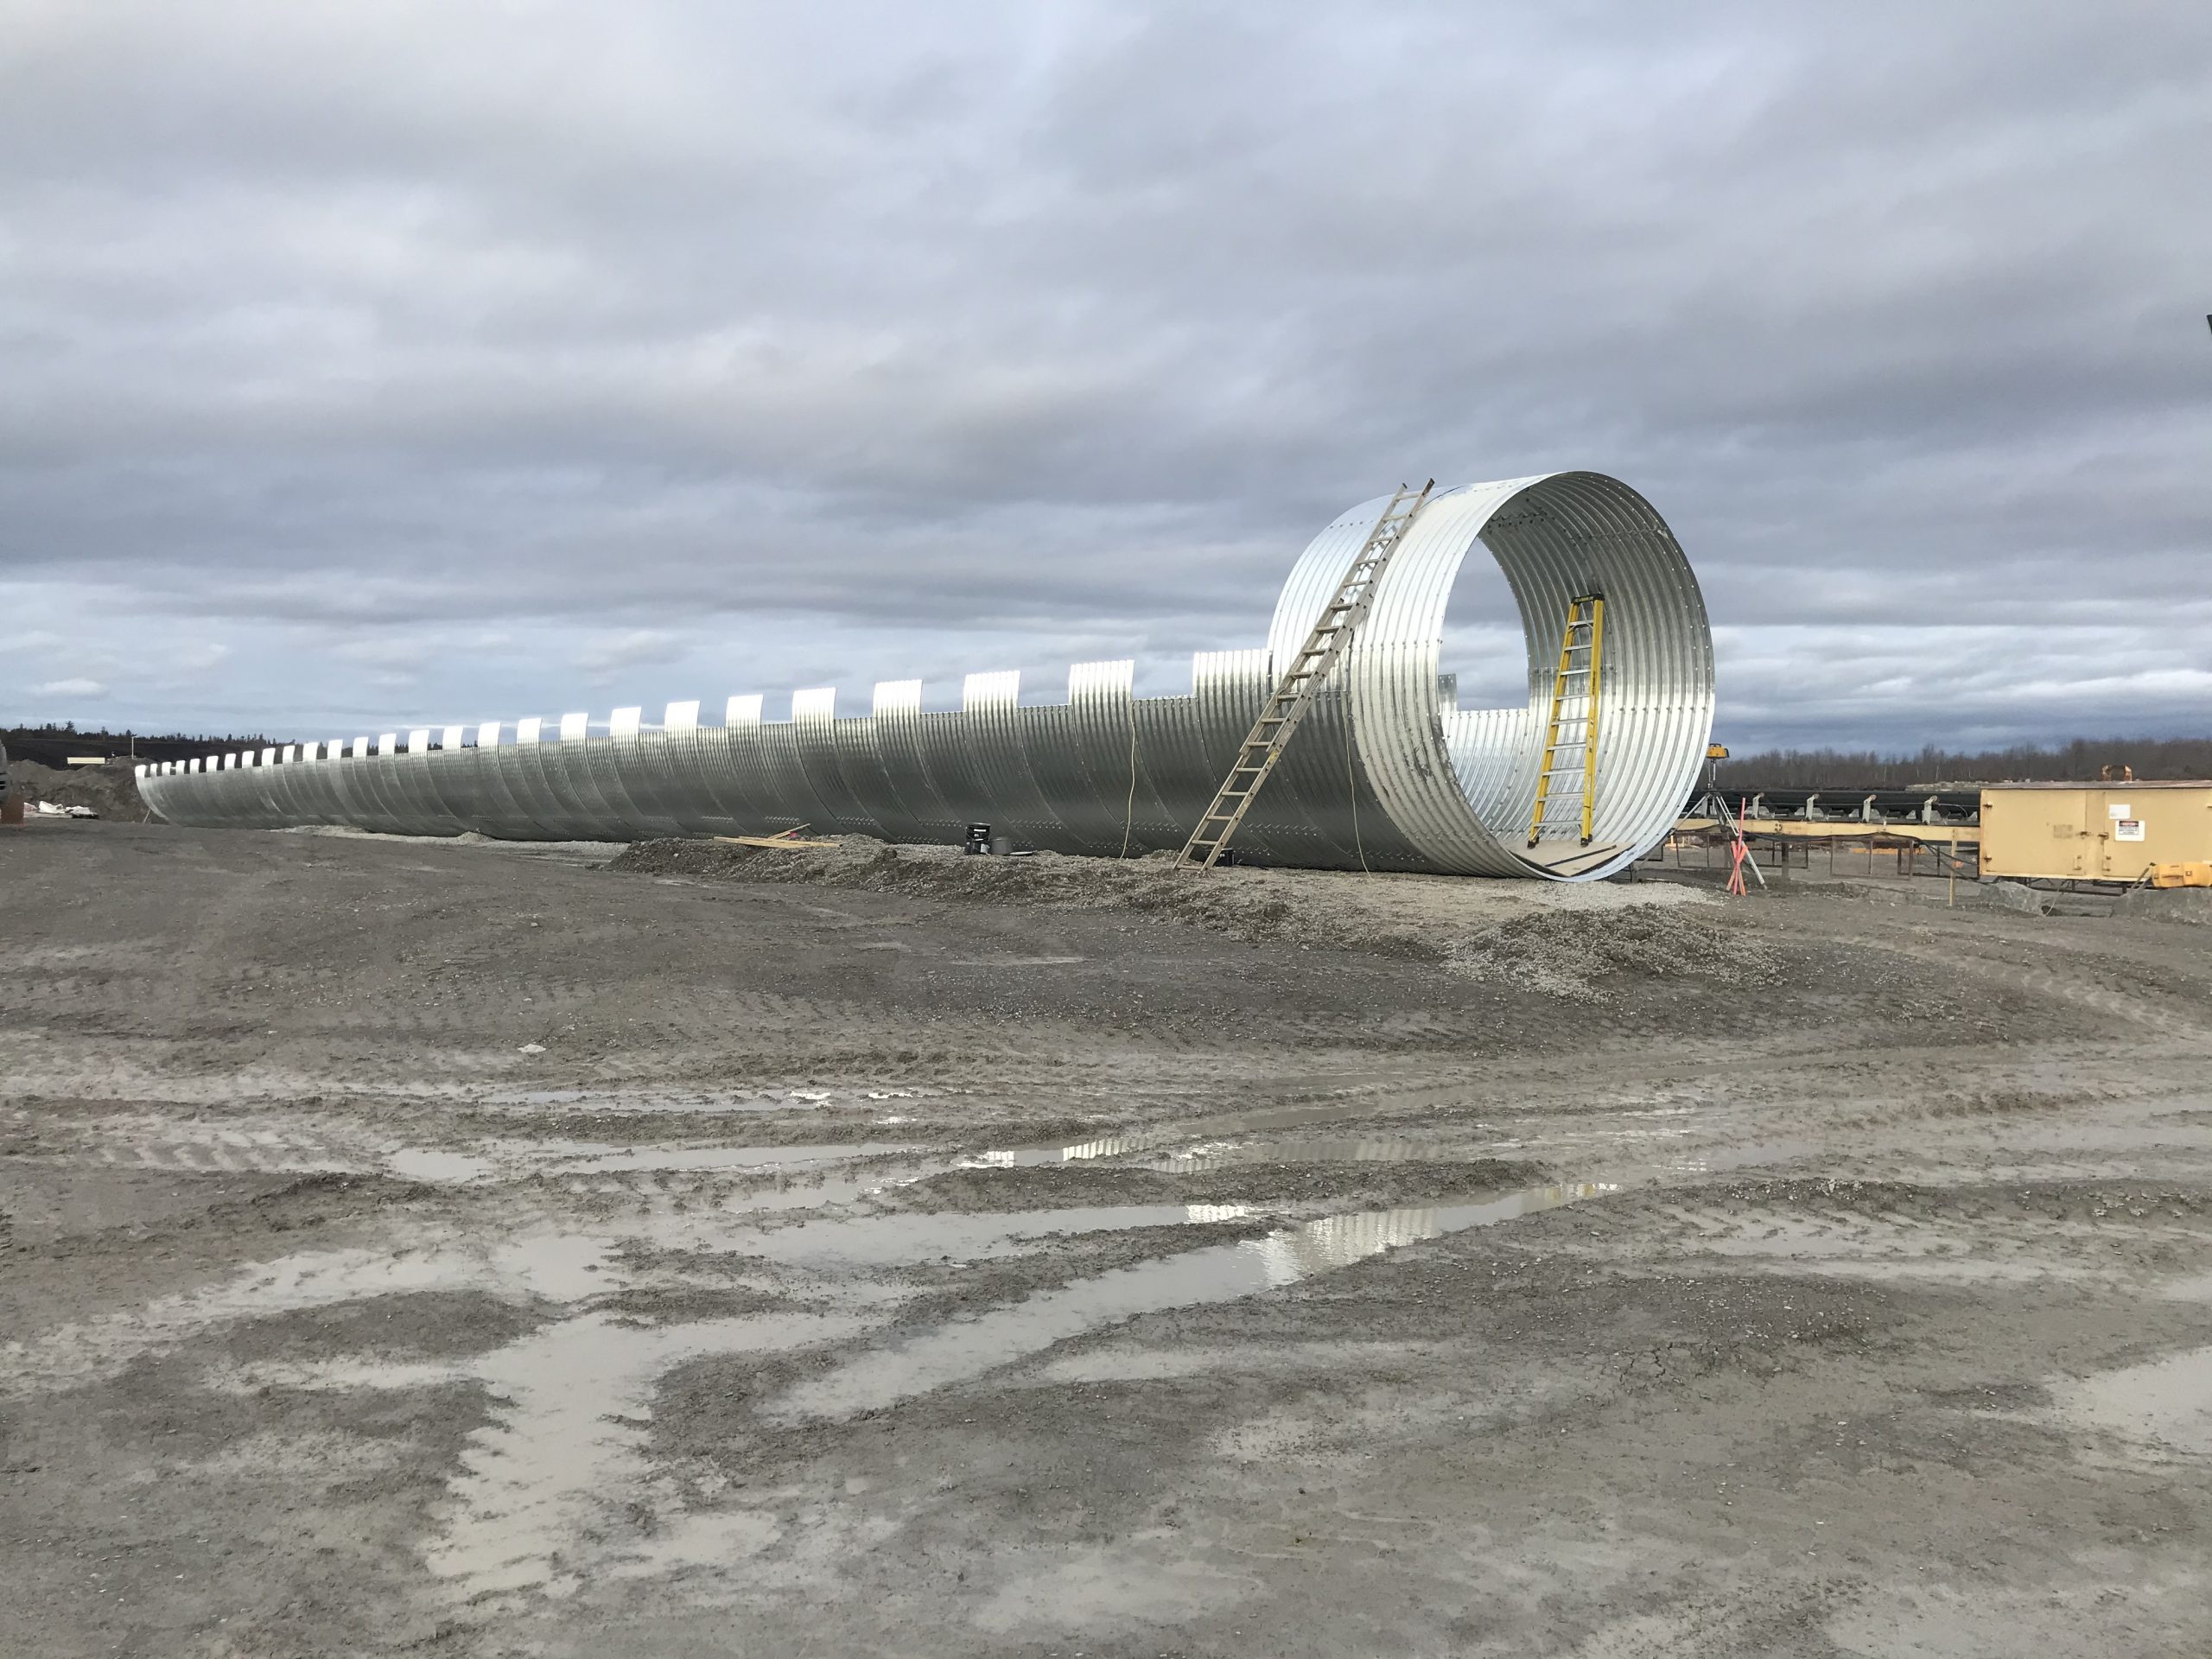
(1592, 763)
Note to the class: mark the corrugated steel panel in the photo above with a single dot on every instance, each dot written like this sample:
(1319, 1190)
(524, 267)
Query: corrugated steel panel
(1113, 799)
(996, 738)
(895, 730)
(814, 739)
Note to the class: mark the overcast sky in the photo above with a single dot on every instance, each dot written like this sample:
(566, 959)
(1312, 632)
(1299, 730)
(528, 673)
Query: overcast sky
(372, 364)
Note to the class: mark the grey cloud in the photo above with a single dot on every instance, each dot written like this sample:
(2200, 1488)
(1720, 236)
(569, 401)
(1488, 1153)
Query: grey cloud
(835, 339)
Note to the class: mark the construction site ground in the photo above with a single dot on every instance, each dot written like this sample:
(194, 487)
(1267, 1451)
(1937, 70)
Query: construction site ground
(436, 1248)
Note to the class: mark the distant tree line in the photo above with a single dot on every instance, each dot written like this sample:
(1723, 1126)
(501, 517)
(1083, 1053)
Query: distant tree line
(51, 746)
(68, 728)
(2079, 761)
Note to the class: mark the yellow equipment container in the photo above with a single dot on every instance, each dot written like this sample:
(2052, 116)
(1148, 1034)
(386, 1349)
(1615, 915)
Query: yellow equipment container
(2094, 832)
(2181, 875)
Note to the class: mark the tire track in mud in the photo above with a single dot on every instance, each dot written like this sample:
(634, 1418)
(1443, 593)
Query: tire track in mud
(550, 1487)
(2070, 1232)
(2140, 1003)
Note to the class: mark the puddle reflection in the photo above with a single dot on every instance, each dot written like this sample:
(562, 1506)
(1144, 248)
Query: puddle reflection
(1228, 1124)
(965, 1349)
(1371, 1150)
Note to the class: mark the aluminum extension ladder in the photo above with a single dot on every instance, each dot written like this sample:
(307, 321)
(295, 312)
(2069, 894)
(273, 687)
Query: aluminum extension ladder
(1301, 680)
(1581, 657)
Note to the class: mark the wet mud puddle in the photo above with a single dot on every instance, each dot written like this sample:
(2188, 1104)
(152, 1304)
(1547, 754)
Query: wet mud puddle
(963, 1350)
(1224, 1139)
(2163, 1406)
(557, 1482)
(572, 1411)
(562, 1470)
(563, 1456)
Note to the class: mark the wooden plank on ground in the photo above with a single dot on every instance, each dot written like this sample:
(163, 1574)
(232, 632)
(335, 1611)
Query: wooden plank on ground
(1570, 858)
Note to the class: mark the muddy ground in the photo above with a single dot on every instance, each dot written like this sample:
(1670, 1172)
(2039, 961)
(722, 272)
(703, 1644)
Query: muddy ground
(434, 1248)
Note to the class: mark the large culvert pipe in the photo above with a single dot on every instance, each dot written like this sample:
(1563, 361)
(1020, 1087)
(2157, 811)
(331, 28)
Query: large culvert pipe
(1387, 772)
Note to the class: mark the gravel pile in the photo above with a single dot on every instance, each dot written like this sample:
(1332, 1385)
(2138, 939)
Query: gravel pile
(1572, 952)
(111, 791)
(1563, 938)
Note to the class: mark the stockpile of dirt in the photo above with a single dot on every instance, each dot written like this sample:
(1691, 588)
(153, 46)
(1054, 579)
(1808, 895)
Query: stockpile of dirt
(1250, 903)
(1571, 952)
(1562, 938)
(111, 791)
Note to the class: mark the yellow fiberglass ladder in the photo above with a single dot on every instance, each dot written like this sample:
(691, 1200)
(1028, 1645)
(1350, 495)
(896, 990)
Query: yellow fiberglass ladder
(1570, 740)
(1295, 693)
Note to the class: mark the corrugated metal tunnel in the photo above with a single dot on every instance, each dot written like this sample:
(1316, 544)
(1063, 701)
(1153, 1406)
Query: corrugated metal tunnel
(1387, 772)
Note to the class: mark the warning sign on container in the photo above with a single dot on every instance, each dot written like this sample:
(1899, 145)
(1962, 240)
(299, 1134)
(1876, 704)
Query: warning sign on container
(2128, 829)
